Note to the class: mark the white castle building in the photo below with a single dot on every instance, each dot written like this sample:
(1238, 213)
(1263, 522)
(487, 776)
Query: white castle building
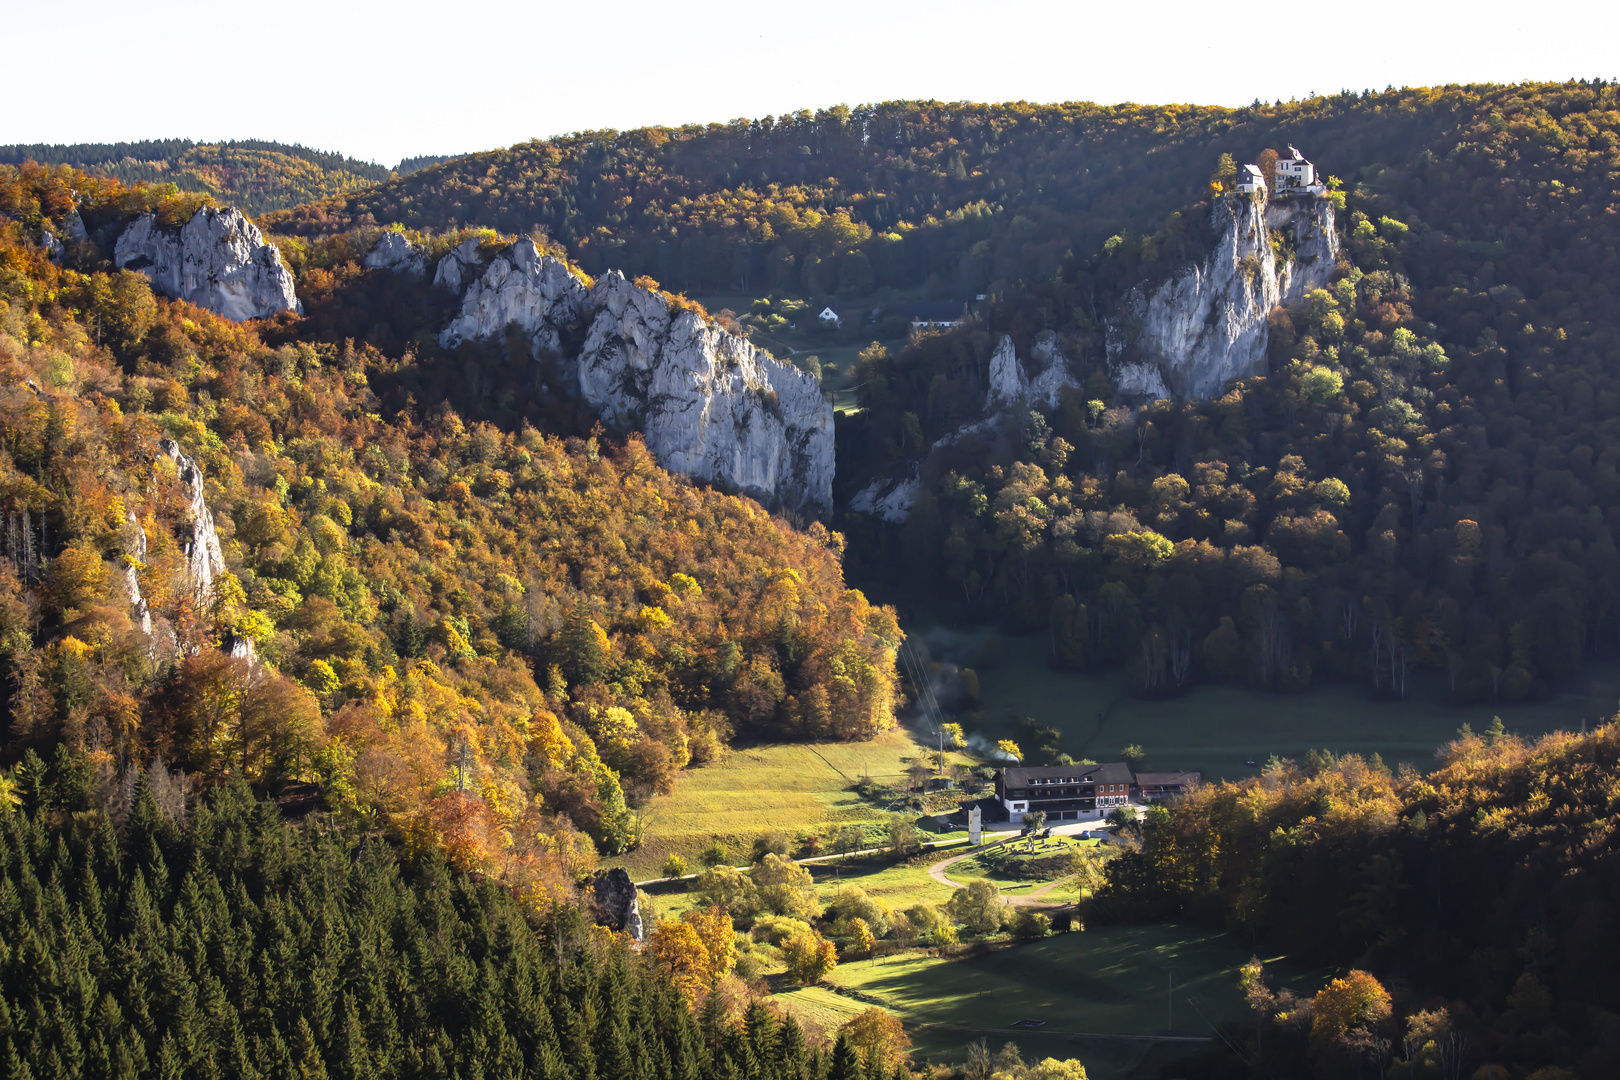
(1294, 176)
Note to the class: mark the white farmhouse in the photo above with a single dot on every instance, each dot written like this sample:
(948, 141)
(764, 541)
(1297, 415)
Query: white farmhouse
(829, 317)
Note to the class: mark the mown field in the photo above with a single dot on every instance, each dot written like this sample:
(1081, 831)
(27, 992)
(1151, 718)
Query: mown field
(796, 788)
(1110, 980)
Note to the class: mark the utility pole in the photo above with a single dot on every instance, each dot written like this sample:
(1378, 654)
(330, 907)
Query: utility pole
(1170, 998)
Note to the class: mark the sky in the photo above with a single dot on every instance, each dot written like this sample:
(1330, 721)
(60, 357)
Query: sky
(382, 81)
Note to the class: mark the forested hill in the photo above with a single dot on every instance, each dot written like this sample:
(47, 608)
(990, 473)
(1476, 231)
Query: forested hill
(1421, 474)
(473, 636)
(957, 197)
(253, 175)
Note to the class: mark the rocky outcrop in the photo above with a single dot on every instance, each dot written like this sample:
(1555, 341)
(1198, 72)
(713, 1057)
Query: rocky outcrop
(218, 260)
(1053, 372)
(614, 902)
(710, 405)
(461, 265)
(537, 293)
(1007, 384)
(132, 583)
(204, 559)
(1012, 391)
(1312, 243)
(887, 500)
(1207, 326)
(394, 252)
(1011, 387)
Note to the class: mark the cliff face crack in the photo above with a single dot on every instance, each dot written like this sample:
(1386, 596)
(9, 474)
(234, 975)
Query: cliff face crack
(709, 404)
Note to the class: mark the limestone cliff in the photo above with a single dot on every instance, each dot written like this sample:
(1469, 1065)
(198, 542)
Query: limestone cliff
(394, 252)
(1011, 394)
(1206, 326)
(204, 559)
(132, 583)
(218, 260)
(538, 293)
(1011, 386)
(709, 404)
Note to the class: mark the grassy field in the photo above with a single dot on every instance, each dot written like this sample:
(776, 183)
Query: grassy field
(1215, 729)
(1105, 980)
(798, 789)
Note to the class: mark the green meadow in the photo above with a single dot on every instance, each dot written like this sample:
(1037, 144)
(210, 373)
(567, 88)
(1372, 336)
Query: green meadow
(1110, 981)
(1216, 728)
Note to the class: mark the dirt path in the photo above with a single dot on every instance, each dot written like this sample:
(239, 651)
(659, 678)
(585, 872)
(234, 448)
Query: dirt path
(1033, 899)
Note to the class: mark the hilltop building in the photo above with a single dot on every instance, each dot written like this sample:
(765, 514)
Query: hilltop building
(1296, 176)
(1250, 179)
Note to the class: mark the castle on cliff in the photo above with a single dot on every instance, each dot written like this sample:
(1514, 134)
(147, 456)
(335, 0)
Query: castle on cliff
(1293, 176)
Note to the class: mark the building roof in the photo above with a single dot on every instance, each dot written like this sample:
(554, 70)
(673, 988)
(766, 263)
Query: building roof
(1018, 776)
(942, 311)
(1168, 779)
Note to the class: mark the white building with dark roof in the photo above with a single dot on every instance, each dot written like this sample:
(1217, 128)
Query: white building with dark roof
(1296, 176)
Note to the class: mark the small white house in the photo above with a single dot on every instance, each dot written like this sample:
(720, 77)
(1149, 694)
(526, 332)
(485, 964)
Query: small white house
(1250, 179)
(1296, 176)
(829, 317)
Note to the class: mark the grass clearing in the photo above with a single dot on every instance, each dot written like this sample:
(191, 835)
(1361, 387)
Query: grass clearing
(820, 1012)
(1105, 980)
(799, 789)
(1216, 728)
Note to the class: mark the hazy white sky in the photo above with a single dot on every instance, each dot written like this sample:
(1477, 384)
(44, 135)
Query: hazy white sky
(381, 81)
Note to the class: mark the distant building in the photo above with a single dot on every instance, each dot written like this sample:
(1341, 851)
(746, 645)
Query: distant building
(829, 317)
(1063, 792)
(932, 316)
(1296, 176)
(1158, 787)
(1250, 179)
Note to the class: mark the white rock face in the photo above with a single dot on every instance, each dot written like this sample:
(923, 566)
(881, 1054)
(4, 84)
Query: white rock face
(1046, 389)
(204, 559)
(459, 267)
(1207, 326)
(219, 260)
(890, 500)
(394, 252)
(1008, 388)
(520, 286)
(1141, 381)
(1315, 244)
(132, 584)
(709, 404)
